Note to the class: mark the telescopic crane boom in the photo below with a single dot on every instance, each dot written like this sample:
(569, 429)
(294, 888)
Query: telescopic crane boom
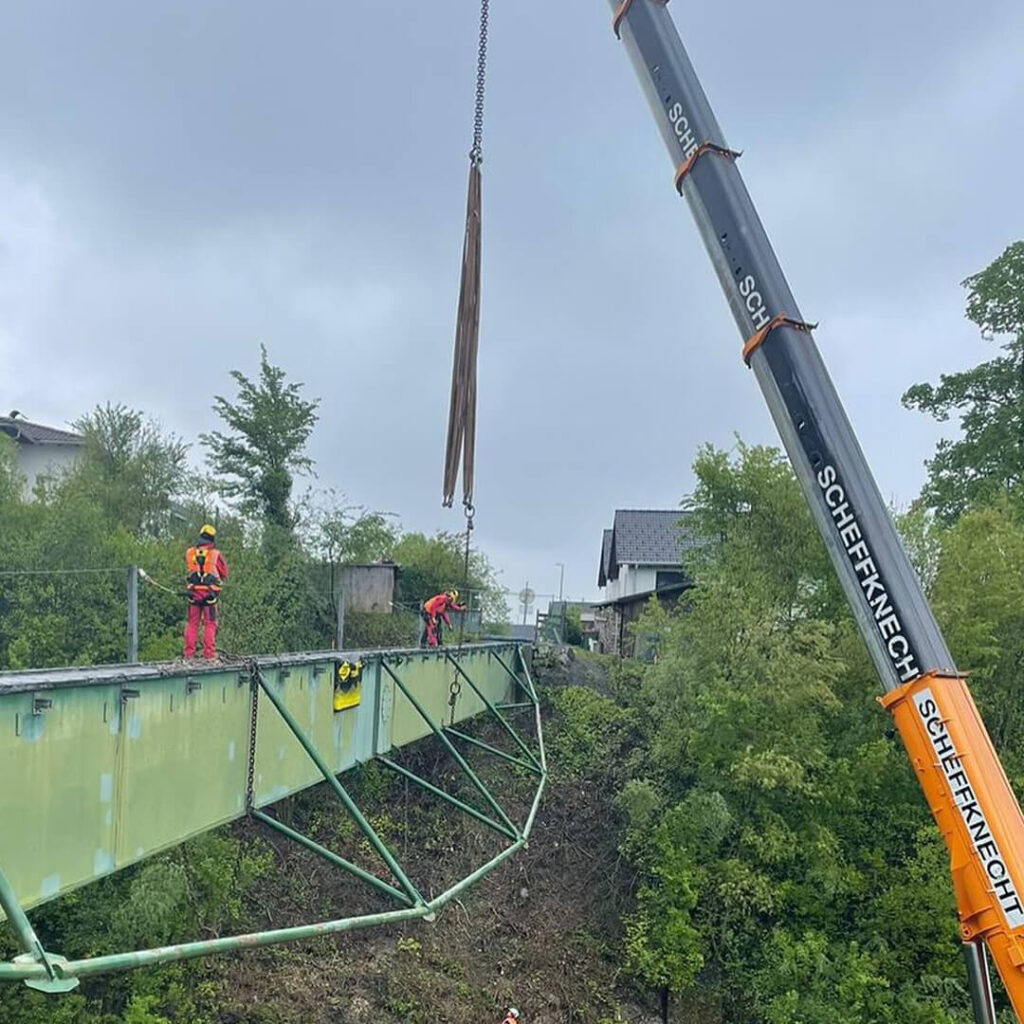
(963, 781)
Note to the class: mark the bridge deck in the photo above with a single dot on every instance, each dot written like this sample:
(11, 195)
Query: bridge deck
(104, 766)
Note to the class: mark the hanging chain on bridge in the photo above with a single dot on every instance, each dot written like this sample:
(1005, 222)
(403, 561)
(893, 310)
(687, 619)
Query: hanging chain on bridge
(455, 688)
(254, 687)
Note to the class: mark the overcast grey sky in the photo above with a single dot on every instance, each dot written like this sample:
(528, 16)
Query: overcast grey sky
(180, 181)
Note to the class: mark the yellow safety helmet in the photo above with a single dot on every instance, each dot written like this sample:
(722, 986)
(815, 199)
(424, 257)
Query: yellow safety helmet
(207, 531)
(453, 595)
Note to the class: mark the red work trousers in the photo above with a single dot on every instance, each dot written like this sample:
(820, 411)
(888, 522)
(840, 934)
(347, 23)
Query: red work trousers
(208, 613)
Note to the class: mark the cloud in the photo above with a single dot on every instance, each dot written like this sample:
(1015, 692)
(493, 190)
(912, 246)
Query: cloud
(180, 183)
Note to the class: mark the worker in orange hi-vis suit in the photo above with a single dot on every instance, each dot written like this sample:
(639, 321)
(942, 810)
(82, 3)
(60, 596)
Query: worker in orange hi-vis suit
(434, 612)
(512, 1017)
(206, 570)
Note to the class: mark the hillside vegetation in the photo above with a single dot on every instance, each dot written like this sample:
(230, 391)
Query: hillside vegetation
(734, 824)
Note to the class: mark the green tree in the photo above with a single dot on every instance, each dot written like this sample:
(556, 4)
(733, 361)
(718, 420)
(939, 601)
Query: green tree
(432, 564)
(978, 597)
(131, 468)
(777, 836)
(574, 628)
(344, 534)
(11, 480)
(988, 459)
(269, 425)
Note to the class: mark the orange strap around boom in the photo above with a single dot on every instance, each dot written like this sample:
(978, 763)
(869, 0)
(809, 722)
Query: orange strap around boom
(705, 147)
(781, 320)
(620, 13)
(622, 10)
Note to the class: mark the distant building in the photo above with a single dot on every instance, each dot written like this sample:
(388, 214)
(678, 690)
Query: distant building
(526, 632)
(368, 588)
(641, 557)
(42, 451)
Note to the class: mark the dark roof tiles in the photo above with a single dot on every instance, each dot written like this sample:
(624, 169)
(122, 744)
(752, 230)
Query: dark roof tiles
(650, 537)
(36, 433)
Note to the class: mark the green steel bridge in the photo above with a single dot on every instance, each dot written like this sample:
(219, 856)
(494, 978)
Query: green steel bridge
(105, 766)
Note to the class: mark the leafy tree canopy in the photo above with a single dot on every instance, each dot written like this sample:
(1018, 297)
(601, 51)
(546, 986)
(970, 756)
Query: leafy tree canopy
(131, 468)
(988, 459)
(269, 424)
(432, 564)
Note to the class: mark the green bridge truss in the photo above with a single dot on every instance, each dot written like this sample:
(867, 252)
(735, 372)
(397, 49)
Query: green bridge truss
(103, 767)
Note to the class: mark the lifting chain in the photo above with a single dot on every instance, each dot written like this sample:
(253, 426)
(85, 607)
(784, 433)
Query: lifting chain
(470, 512)
(476, 154)
(455, 688)
(254, 688)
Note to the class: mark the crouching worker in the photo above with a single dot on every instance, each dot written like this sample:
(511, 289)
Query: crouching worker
(206, 570)
(434, 612)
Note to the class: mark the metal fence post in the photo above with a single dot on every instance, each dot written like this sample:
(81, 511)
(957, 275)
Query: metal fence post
(133, 614)
(339, 639)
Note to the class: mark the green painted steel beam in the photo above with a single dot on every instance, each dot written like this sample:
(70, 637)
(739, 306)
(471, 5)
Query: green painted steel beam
(190, 950)
(495, 712)
(254, 940)
(143, 735)
(34, 952)
(439, 733)
(350, 805)
(526, 672)
(330, 855)
(495, 751)
(453, 800)
(528, 690)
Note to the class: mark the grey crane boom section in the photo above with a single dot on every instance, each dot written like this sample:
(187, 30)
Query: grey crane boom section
(877, 577)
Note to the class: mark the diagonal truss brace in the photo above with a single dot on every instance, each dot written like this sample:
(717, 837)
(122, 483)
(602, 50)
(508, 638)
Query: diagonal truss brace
(439, 732)
(411, 895)
(528, 690)
(497, 714)
(52, 980)
(494, 750)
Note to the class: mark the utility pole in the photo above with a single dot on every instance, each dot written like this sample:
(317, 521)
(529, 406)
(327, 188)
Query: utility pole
(133, 614)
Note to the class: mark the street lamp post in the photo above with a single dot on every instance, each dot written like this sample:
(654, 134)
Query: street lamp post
(561, 603)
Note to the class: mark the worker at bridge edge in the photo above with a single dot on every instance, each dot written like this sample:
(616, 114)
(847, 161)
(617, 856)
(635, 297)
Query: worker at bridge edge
(206, 570)
(435, 611)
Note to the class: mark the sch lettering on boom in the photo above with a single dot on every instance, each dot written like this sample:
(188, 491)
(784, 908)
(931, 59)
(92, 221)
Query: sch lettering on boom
(684, 133)
(750, 292)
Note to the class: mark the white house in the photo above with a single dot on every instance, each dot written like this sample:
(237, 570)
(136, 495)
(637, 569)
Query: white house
(42, 451)
(641, 557)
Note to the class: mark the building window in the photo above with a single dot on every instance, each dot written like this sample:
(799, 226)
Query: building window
(669, 579)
